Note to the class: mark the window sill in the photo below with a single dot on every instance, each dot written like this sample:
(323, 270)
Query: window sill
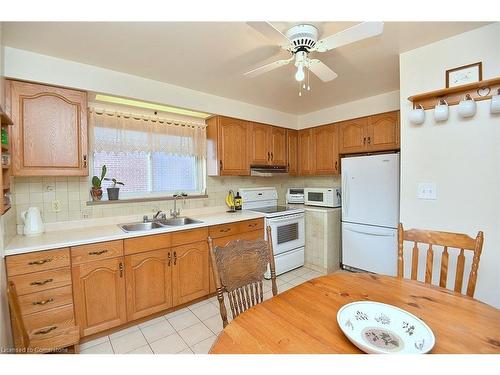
(144, 199)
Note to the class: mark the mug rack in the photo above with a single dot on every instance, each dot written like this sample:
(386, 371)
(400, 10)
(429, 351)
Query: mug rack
(481, 90)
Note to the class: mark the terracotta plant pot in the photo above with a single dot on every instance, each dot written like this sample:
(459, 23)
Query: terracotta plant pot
(113, 193)
(96, 194)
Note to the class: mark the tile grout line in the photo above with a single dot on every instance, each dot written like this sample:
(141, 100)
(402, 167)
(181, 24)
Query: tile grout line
(145, 338)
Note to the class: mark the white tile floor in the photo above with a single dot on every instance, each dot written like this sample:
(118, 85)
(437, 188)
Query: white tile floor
(192, 329)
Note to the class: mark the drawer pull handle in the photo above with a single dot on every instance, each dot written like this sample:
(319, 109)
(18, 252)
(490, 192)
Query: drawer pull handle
(39, 262)
(252, 225)
(225, 230)
(41, 303)
(42, 282)
(100, 252)
(45, 331)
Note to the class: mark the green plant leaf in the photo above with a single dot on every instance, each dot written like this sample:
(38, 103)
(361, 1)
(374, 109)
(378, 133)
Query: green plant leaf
(103, 171)
(96, 182)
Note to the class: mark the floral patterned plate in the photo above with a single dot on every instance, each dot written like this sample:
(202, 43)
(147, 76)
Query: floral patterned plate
(379, 328)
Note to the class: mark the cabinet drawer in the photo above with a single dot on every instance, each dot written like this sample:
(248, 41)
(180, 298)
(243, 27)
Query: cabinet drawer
(147, 243)
(48, 299)
(38, 261)
(249, 225)
(38, 281)
(58, 317)
(189, 236)
(223, 230)
(96, 251)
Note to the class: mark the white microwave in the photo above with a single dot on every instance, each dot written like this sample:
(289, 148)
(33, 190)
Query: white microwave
(323, 197)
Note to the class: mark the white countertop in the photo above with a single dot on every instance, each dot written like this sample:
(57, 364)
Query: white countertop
(106, 229)
(314, 208)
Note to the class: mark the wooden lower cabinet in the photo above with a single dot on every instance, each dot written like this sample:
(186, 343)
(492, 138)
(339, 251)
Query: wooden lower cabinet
(99, 295)
(148, 283)
(190, 278)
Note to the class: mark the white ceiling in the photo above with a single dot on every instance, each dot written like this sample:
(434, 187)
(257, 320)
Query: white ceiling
(212, 56)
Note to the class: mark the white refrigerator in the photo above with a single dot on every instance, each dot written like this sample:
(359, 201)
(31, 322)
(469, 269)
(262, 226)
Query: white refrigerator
(370, 212)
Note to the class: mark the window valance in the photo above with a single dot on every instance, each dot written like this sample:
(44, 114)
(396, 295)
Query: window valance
(120, 132)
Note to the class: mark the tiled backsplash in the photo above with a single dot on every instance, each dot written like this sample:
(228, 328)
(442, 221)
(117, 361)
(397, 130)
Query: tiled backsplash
(73, 194)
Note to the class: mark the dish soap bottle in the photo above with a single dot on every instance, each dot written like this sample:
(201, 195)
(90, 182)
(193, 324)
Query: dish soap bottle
(238, 201)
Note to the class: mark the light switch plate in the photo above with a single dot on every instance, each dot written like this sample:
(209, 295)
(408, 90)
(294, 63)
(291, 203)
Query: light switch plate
(427, 190)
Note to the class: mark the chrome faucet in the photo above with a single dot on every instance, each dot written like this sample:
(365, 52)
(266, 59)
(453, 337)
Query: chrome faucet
(176, 212)
(159, 215)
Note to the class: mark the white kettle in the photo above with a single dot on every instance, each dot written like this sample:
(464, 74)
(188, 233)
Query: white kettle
(32, 220)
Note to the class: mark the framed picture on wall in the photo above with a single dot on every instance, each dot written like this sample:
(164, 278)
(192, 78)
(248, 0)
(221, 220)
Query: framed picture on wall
(464, 74)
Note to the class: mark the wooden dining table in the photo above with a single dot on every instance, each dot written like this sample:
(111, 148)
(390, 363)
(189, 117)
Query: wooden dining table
(304, 319)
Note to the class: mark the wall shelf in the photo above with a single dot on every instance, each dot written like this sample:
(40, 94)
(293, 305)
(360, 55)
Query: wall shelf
(453, 95)
(5, 122)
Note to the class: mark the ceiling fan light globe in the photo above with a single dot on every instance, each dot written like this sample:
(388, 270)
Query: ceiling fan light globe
(299, 76)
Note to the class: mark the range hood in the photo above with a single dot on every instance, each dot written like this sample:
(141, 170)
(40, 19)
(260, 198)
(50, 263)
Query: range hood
(268, 170)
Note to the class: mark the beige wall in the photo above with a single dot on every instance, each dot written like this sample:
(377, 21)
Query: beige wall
(73, 193)
(363, 107)
(461, 156)
(32, 66)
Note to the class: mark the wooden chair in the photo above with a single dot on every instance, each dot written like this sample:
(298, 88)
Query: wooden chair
(239, 269)
(446, 240)
(44, 340)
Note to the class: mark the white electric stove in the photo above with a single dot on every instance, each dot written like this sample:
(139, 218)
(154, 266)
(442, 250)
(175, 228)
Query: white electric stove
(287, 226)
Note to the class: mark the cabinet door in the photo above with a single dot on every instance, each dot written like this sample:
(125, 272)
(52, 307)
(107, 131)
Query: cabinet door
(260, 149)
(148, 281)
(50, 132)
(278, 146)
(383, 132)
(292, 145)
(305, 154)
(326, 154)
(352, 136)
(190, 278)
(233, 142)
(99, 295)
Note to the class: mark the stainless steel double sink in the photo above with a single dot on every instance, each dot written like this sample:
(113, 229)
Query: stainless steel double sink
(158, 224)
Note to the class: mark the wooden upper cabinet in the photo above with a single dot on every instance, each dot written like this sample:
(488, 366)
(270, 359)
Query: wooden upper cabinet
(268, 145)
(190, 278)
(50, 136)
(305, 147)
(383, 132)
(228, 146)
(148, 283)
(99, 295)
(292, 150)
(352, 135)
(325, 150)
(260, 149)
(278, 146)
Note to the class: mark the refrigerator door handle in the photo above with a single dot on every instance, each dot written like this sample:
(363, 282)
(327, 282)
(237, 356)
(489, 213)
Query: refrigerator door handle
(371, 233)
(345, 194)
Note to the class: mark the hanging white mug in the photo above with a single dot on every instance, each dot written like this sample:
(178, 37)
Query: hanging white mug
(495, 103)
(417, 115)
(441, 110)
(467, 107)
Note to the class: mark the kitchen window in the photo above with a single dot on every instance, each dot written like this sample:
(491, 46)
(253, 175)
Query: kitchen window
(152, 157)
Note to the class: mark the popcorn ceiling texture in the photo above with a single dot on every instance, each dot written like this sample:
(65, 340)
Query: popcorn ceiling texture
(73, 193)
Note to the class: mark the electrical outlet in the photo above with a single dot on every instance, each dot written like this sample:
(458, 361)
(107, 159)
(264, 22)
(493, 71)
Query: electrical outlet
(427, 190)
(56, 206)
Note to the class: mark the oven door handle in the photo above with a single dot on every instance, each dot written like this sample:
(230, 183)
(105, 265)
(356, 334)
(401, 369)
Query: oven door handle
(281, 219)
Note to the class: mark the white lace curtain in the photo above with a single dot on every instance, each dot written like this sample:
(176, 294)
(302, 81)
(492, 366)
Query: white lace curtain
(120, 132)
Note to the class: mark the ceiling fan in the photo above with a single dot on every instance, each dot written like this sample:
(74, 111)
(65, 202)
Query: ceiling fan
(301, 40)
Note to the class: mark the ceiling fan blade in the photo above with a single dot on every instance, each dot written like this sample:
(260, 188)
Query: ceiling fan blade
(322, 71)
(270, 32)
(268, 67)
(353, 34)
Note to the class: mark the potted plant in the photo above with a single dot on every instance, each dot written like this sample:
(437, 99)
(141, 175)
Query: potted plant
(96, 191)
(114, 191)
